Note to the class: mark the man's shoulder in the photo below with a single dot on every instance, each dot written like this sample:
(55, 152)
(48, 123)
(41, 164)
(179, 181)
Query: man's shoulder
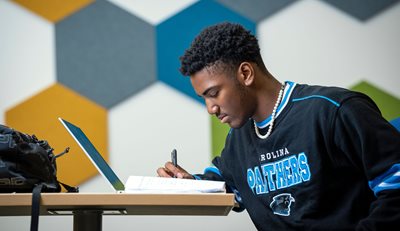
(333, 94)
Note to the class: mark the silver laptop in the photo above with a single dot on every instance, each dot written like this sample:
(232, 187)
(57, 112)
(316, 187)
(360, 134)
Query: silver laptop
(94, 155)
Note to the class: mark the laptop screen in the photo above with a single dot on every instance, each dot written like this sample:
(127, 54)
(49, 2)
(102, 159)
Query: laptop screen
(93, 155)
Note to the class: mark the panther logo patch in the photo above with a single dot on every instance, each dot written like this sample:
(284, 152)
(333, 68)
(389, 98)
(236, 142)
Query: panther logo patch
(280, 204)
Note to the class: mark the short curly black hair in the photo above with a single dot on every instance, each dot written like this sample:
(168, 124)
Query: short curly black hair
(225, 43)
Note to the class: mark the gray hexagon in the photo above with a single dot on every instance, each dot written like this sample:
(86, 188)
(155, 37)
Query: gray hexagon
(105, 53)
(362, 9)
(256, 10)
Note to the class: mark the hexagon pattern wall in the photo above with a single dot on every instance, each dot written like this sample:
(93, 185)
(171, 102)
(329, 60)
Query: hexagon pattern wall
(38, 115)
(362, 9)
(111, 67)
(107, 54)
(54, 10)
(172, 39)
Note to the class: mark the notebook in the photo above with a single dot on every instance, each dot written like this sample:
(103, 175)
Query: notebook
(140, 184)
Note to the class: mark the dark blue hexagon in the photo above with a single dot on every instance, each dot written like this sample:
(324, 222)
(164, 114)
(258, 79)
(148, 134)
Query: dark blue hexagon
(362, 9)
(105, 53)
(176, 34)
(256, 10)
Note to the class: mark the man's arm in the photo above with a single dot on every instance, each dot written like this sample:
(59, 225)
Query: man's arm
(373, 145)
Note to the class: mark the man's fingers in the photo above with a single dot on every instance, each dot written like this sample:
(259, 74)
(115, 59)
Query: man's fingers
(169, 170)
(162, 172)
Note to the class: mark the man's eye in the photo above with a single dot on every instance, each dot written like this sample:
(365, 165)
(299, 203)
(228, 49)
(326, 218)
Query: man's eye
(213, 94)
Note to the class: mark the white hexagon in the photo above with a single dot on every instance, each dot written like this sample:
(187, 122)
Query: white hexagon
(27, 54)
(144, 129)
(153, 11)
(312, 42)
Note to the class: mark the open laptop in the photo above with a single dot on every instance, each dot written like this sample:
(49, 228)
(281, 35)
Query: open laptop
(140, 184)
(94, 155)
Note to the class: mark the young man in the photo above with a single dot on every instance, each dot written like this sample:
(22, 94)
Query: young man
(297, 157)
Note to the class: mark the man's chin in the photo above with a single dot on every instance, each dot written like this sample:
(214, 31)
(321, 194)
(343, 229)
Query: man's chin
(235, 125)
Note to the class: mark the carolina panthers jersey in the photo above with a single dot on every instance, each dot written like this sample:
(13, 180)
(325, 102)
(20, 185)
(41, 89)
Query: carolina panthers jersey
(330, 163)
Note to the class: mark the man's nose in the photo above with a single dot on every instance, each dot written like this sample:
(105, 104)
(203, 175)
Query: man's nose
(212, 108)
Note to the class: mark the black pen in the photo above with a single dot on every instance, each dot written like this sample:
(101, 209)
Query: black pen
(174, 158)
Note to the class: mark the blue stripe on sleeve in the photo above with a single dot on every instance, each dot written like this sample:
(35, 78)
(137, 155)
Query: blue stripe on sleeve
(196, 177)
(213, 170)
(317, 96)
(387, 181)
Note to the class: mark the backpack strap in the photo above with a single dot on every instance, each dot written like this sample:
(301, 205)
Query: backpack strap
(35, 212)
(35, 207)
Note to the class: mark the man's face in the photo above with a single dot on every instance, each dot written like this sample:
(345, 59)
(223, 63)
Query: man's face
(224, 95)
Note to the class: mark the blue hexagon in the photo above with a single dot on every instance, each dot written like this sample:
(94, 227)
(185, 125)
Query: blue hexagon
(175, 35)
(105, 53)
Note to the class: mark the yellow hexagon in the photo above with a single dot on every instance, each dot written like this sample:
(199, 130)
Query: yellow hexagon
(54, 10)
(39, 115)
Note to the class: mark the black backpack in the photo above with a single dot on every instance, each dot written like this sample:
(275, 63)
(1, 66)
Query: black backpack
(28, 164)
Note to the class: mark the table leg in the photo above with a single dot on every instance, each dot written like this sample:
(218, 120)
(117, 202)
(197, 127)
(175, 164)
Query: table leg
(88, 220)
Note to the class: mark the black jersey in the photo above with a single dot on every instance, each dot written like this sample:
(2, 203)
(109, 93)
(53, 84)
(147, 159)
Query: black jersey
(332, 162)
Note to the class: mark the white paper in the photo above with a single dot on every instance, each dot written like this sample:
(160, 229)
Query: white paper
(149, 184)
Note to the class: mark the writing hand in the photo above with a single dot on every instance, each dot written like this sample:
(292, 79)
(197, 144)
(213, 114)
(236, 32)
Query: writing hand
(169, 170)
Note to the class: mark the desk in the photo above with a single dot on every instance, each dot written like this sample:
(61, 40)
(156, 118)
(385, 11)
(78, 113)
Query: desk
(87, 209)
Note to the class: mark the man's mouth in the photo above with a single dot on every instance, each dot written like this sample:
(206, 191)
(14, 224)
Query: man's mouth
(222, 118)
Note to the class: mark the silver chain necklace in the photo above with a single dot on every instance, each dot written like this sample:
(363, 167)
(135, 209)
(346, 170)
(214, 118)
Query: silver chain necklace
(272, 116)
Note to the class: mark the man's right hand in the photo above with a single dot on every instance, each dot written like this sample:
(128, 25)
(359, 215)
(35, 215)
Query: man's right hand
(169, 170)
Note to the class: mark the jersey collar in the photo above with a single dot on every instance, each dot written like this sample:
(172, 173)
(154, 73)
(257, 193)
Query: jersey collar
(289, 87)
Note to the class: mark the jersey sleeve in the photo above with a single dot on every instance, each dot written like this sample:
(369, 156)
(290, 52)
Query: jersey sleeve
(214, 173)
(372, 145)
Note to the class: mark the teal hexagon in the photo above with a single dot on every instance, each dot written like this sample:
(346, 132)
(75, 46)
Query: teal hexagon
(175, 35)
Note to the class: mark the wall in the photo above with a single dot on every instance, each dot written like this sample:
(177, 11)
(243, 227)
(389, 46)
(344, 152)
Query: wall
(117, 60)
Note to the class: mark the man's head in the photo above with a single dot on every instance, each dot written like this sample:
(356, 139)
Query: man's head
(223, 45)
(222, 63)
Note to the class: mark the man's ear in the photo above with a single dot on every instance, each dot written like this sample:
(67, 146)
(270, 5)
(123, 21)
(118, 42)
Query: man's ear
(246, 73)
